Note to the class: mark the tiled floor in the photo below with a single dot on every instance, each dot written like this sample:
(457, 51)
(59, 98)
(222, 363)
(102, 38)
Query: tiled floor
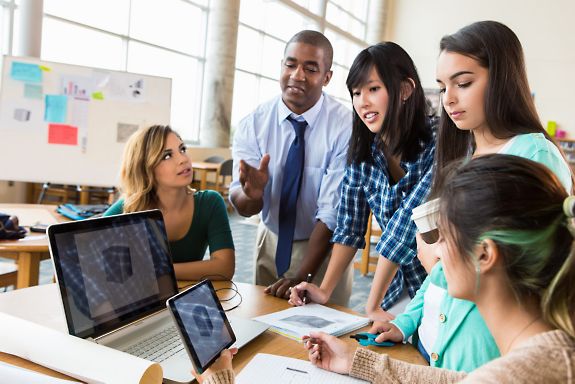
(244, 233)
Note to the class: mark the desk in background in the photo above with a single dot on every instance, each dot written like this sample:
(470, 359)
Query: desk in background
(204, 168)
(42, 306)
(29, 251)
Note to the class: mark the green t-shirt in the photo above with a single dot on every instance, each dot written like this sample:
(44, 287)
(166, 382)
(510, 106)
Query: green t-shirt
(534, 146)
(210, 227)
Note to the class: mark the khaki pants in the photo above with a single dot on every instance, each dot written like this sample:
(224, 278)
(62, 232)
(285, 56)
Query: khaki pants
(265, 265)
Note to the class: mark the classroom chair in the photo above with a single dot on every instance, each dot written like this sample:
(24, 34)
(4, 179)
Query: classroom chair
(368, 263)
(58, 194)
(215, 159)
(223, 179)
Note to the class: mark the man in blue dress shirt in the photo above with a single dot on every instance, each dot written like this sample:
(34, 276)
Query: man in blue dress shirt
(261, 144)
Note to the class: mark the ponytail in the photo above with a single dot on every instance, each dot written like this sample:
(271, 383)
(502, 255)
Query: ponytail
(558, 300)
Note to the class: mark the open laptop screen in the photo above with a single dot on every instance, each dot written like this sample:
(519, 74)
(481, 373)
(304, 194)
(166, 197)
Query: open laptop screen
(112, 270)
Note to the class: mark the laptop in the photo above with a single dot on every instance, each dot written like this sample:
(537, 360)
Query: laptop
(114, 275)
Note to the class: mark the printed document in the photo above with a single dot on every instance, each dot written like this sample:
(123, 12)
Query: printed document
(297, 322)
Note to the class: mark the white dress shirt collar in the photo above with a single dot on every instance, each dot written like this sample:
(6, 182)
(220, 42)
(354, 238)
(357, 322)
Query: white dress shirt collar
(310, 115)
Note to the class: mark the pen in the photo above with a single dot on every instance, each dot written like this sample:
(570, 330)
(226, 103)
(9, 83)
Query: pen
(307, 280)
(358, 337)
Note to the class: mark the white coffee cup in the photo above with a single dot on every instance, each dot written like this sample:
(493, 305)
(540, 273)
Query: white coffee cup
(425, 217)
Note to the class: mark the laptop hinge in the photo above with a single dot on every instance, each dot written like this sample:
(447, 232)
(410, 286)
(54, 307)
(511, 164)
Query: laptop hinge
(129, 325)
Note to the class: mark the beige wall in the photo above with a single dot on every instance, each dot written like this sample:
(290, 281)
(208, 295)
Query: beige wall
(545, 28)
(12, 192)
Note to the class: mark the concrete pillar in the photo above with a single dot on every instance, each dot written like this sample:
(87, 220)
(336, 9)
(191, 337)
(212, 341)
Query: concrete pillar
(30, 28)
(219, 72)
(30, 44)
(376, 21)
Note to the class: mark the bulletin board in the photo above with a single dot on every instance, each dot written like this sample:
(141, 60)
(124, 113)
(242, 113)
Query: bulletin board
(68, 124)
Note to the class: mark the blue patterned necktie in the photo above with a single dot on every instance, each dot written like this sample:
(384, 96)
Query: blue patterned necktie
(292, 177)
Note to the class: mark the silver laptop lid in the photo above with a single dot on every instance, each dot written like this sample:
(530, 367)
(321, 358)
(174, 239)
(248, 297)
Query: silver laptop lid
(112, 271)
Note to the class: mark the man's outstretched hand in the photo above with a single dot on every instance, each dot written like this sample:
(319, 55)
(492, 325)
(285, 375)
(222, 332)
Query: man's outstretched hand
(254, 180)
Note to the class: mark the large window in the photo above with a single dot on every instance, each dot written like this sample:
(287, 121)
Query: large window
(266, 26)
(164, 38)
(167, 38)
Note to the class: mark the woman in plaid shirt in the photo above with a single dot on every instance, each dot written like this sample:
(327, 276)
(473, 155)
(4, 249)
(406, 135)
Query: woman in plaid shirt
(389, 172)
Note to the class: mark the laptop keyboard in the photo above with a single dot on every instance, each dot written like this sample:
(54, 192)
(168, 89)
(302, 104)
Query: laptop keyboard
(159, 346)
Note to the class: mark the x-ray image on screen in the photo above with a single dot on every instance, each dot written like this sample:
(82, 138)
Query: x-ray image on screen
(118, 263)
(117, 267)
(204, 323)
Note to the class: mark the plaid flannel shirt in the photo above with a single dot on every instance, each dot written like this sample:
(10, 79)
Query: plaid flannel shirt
(366, 186)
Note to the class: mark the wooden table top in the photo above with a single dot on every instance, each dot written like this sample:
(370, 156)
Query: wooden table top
(254, 302)
(33, 242)
(205, 166)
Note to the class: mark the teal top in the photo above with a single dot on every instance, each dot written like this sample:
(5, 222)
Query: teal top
(534, 146)
(464, 342)
(210, 227)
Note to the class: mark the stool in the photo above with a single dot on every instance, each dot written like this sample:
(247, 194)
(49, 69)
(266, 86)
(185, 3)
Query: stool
(8, 274)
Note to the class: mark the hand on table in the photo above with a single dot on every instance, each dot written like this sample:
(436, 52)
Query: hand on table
(329, 353)
(379, 314)
(387, 332)
(281, 288)
(314, 293)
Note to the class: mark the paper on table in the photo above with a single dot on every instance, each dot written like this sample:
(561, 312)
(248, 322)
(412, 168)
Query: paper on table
(30, 216)
(286, 370)
(297, 322)
(61, 352)
(16, 375)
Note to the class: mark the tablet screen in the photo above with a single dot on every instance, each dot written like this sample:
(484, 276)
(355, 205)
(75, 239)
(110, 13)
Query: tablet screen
(203, 324)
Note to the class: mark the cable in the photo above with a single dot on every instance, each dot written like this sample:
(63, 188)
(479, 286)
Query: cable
(233, 288)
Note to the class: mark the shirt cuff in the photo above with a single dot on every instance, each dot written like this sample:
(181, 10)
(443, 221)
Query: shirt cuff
(349, 240)
(400, 330)
(225, 376)
(364, 364)
(328, 217)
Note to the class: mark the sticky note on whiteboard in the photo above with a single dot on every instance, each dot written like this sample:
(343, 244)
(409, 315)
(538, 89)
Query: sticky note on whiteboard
(30, 73)
(62, 134)
(56, 108)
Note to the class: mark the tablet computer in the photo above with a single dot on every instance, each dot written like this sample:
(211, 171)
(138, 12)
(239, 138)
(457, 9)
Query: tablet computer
(202, 323)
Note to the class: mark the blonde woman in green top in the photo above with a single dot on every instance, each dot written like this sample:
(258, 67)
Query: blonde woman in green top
(156, 173)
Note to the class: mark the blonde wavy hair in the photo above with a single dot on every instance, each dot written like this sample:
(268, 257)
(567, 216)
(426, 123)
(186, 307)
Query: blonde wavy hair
(142, 154)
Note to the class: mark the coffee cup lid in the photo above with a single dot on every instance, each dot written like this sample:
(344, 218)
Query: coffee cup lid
(428, 208)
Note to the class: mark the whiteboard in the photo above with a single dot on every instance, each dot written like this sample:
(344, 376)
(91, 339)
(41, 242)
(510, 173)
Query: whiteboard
(68, 124)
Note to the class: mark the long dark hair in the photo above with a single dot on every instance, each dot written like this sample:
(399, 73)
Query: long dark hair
(517, 203)
(509, 106)
(405, 123)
